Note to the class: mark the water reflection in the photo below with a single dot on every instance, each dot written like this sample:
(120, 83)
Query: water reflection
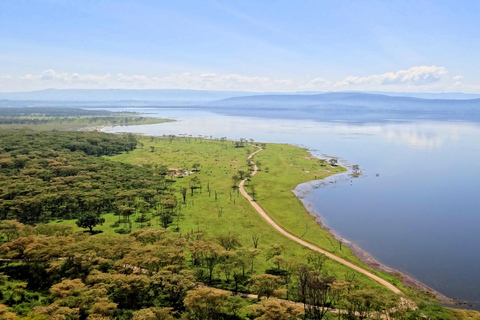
(414, 134)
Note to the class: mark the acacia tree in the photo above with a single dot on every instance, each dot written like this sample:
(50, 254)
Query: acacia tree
(229, 241)
(205, 303)
(171, 288)
(12, 229)
(184, 194)
(126, 212)
(143, 209)
(275, 309)
(207, 255)
(241, 173)
(314, 290)
(153, 313)
(266, 285)
(194, 182)
(235, 179)
(275, 254)
(169, 204)
(255, 239)
(89, 220)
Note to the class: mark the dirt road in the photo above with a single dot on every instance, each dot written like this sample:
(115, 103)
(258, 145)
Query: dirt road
(269, 220)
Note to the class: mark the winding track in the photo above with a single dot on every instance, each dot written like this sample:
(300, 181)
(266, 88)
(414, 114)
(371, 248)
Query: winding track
(269, 220)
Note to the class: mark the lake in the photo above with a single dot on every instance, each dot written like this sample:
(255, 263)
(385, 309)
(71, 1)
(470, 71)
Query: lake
(416, 207)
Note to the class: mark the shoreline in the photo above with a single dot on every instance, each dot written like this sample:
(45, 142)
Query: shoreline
(304, 188)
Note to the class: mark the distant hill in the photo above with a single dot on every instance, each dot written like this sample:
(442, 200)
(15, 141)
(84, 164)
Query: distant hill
(348, 101)
(104, 95)
(426, 95)
(174, 97)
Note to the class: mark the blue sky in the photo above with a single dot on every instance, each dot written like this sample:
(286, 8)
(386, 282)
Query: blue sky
(419, 46)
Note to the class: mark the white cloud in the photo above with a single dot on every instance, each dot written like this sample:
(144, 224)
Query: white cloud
(52, 76)
(416, 79)
(316, 83)
(185, 80)
(421, 75)
(458, 80)
(28, 77)
(138, 79)
(211, 81)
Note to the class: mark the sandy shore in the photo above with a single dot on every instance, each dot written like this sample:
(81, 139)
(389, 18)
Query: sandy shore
(304, 188)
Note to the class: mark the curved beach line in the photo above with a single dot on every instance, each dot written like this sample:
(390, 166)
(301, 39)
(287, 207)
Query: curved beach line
(269, 220)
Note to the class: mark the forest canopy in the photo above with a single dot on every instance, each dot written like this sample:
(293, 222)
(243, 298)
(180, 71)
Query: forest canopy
(60, 175)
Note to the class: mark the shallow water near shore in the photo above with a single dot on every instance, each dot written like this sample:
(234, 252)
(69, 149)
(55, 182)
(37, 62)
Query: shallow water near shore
(415, 207)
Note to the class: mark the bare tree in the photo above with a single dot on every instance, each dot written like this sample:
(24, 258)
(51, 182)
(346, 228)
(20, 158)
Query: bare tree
(255, 239)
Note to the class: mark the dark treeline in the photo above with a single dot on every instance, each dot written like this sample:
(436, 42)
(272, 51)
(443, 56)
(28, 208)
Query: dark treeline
(50, 112)
(113, 120)
(47, 175)
(47, 115)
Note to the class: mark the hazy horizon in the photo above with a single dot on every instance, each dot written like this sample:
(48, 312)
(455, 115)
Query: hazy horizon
(116, 94)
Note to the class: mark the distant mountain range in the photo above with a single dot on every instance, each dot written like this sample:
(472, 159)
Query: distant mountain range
(348, 101)
(350, 107)
(330, 106)
(173, 97)
(109, 95)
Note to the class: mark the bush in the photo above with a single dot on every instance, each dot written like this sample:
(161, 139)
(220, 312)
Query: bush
(122, 231)
(116, 224)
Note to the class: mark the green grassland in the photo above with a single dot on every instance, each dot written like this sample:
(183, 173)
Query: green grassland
(230, 212)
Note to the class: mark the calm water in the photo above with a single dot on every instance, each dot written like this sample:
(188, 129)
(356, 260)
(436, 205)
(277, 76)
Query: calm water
(417, 206)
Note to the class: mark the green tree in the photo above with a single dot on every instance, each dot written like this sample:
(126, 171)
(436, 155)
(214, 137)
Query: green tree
(241, 173)
(229, 241)
(235, 179)
(333, 161)
(205, 303)
(314, 290)
(89, 220)
(184, 193)
(266, 285)
(153, 313)
(275, 309)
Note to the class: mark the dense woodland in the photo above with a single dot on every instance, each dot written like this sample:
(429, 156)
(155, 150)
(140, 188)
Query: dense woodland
(50, 271)
(50, 175)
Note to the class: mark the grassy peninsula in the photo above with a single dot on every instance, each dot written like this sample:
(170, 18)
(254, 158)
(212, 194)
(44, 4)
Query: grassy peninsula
(219, 161)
